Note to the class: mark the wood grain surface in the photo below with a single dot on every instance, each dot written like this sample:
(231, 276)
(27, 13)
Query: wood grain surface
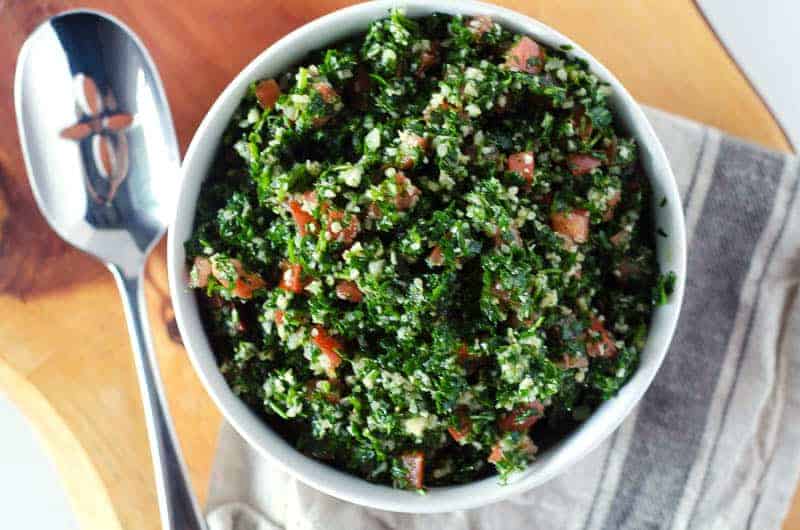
(64, 352)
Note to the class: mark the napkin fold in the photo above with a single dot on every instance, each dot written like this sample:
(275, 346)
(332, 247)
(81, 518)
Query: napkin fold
(715, 442)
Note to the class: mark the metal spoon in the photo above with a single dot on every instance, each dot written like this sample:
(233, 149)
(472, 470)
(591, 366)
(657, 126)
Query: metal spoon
(103, 161)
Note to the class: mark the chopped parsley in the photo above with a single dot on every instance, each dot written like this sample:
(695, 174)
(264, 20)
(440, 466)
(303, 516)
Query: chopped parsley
(426, 253)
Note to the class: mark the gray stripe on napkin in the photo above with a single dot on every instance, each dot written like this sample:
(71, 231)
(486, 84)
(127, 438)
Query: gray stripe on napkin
(748, 395)
(766, 511)
(673, 414)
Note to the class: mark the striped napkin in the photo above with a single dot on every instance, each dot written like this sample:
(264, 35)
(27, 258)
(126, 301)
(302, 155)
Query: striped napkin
(714, 444)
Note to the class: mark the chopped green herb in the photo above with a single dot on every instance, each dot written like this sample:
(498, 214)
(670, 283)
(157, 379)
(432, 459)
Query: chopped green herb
(664, 288)
(426, 252)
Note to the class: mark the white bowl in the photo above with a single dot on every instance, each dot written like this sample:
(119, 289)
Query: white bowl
(278, 58)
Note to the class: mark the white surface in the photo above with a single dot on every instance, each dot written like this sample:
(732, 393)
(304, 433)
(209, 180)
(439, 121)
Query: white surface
(763, 37)
(289, 50)
(31, 495)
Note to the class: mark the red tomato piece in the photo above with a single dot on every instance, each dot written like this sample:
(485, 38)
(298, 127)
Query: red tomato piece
(327, 92)
(414, 462)
(570, 361)
(611, 206)
(463, 353)
(267, 93)
(524, 164)
(338, 232)
(525, 56)
(600, 343)
(619, 238)
(279, 315)
(428, 58)
(415, 141)
(480, 25)
(349, 291)
(330, 348)
(246, 283)
(497, 453)
(522, 417)
(302, 218)
(200, 272)
(464, 426)
(436, 258)
(580, 164)
(292, 279)
(407, 194)
(573, 225)
(374, 211)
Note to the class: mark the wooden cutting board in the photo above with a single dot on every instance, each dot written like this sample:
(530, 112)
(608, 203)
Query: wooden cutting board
(64, 352)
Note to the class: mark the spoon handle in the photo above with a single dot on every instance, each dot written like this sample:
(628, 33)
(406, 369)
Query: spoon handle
(179, 510)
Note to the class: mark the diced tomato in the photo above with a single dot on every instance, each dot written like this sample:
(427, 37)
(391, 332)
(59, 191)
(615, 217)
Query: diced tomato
(302, 218)
(580, 164)
(599, 342)
(463, 353)
(573, 224)
(292, 279)
(522, 417)
(246, 283)
(414, 462)
(414, 141)
(526, 445)
(526, 56)
(338, 232)
(464, 426)
(619, 238)
(267, 93)
(200, 272)
(279, 315)
(330, 348)
(327, 92)
(436, 258)
(628, 271)
(480, 25)
(497, 453)
(570, 361)
(349, 291)
(428, 58)
(524, 164)
(374, 211)
(407, 194)
(611, 206)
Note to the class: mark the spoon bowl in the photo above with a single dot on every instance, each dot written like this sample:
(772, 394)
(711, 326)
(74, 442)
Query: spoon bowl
(98, 139)
(103, 162)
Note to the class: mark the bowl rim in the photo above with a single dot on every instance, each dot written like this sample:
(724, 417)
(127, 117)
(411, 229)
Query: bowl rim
(340, 484)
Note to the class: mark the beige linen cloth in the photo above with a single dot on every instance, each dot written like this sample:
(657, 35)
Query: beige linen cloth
(714, 444)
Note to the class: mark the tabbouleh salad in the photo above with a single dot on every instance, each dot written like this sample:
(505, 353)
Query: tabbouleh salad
(427, 251)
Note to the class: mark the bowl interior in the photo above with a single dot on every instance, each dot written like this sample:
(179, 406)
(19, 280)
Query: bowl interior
(671, 253)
